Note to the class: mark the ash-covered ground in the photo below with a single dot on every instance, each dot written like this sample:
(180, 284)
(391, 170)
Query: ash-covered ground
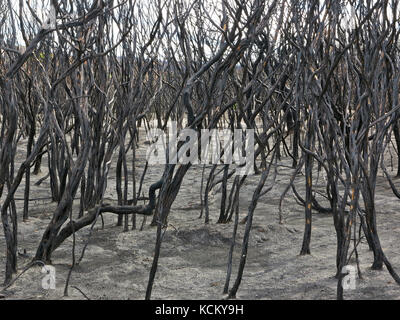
(194, 255)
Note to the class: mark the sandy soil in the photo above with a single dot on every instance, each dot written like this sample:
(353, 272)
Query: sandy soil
(194, 255)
